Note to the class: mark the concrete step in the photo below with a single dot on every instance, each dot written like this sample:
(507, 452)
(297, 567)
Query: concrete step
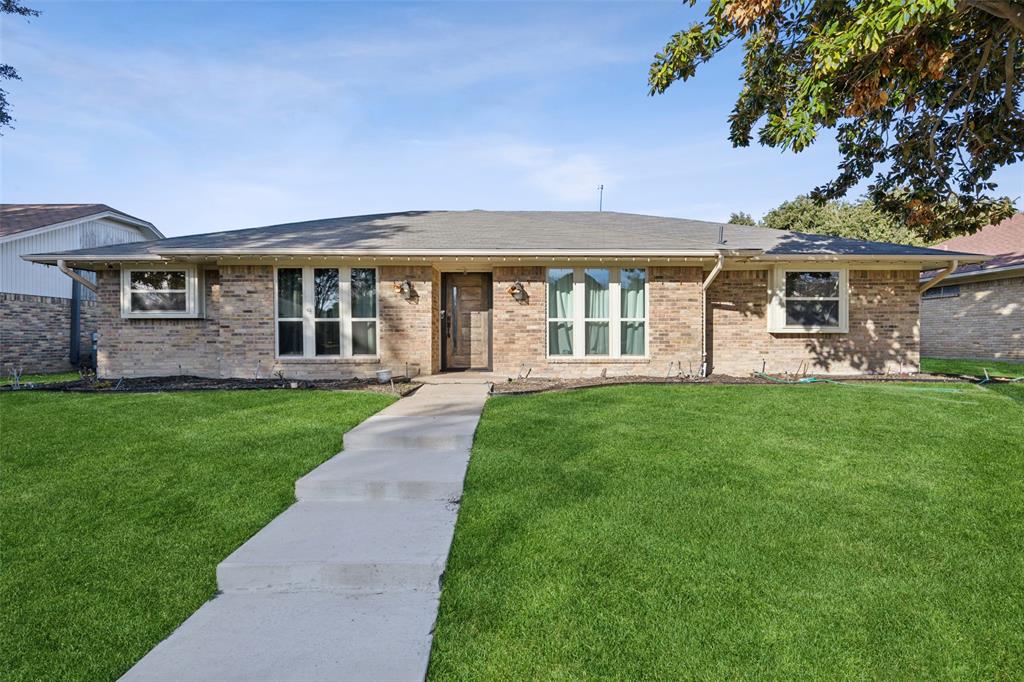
(297, 637)
(386, 475)
(361, 546)
(393, 432)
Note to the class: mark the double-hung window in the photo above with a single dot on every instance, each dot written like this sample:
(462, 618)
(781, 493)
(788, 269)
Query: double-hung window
(809, 301)
(161, 292)
(326, 312)
(597, 312)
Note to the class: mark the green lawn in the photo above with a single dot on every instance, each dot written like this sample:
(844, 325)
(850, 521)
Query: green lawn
(972, 367)
(740, 532)
(116, 509)
(42, 378)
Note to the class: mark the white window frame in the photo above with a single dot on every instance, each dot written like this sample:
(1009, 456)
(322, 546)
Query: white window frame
(579, 319)
(777, 301)
(309, 318)
(194, 307)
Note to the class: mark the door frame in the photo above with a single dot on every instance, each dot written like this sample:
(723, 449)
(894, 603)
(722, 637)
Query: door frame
(488, 295)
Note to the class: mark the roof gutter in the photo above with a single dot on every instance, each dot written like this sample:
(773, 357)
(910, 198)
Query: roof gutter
(705, 369)
(943, 274)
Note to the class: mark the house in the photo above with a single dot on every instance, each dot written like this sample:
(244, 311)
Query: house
(555, 293)
(978, 311)
(39, 305)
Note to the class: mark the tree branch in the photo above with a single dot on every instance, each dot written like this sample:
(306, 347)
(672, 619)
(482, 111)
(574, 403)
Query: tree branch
(1013, 12)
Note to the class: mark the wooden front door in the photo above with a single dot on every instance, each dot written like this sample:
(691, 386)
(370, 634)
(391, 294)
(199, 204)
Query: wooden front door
(466, 321)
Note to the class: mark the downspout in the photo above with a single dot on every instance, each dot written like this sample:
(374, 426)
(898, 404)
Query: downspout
(62, 266)
(75, 346)
(705, 370)
(946, 272)
(75, 333)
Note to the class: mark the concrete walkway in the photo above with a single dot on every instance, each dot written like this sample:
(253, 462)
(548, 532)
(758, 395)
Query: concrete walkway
(344, 585)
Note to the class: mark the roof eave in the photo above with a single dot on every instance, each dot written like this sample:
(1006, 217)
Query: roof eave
(923, 257)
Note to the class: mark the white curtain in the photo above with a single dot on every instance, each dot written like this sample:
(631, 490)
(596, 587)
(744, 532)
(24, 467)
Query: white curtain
(631, 284)
(559, 293)
(596, 288)
(632, 287)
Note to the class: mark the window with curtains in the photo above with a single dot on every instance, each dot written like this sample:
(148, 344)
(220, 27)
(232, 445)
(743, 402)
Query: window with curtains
(326, 312)
(597, 312)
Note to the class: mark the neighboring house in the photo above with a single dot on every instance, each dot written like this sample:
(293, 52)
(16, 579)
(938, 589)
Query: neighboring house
(552, 293)
(36, 302)
(978, 311)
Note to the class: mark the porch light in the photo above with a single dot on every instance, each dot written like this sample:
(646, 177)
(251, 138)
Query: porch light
(517, 291)
(405, 290)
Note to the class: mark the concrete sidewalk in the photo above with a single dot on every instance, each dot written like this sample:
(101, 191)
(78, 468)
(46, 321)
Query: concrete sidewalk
(344, 585)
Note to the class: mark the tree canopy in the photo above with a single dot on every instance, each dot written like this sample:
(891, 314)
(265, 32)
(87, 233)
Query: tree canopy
(741, 218)
(860, 220)
(924, 95)
(8, 72)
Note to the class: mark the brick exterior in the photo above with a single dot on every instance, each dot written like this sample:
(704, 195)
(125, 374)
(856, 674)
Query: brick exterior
(35, 333)
(520, 338)
(986, 321)
(130, 348)
(883, 335)
(237, 337)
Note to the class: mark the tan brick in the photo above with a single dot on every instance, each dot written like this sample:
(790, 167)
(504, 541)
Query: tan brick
(986, 321)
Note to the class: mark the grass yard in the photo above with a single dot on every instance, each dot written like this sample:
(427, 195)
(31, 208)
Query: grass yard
(116, 510)
(41, 378)
(740, 532)
(974, 368)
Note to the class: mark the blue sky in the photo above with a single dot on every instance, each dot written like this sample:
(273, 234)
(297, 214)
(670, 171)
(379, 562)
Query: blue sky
(203, 116)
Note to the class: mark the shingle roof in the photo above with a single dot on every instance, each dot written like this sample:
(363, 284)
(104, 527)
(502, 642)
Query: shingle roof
(15, 218)
(1004, 241)
(509, 232)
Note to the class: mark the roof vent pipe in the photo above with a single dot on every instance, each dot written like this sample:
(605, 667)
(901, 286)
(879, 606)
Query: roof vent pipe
(721, 234)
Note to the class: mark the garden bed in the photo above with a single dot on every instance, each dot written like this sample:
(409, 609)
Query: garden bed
(541, 385)
(398, 387)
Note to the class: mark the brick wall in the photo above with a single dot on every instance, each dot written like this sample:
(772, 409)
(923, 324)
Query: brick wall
(134, 348)
(986, 321)
(35, 333)
(883, 335)
(237, 336)
(673, 327)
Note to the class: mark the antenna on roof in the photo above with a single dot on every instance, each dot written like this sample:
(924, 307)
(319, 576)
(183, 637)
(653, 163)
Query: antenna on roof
(600, 197)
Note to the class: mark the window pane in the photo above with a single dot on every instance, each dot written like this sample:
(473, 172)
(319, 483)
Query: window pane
(326, 295)
(328, 338)
(559, 338)
(364, 338)
(812, 284)
(158, 301)
(597, 338)
(812, 313)
(559, 294)
(289, 292)
(632, 341)
(632, 286)
(364, 293)
(596, 293)
(289, 338)
(156, 280)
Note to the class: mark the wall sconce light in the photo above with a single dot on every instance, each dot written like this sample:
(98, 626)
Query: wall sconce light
(518, 292)
(405, 290)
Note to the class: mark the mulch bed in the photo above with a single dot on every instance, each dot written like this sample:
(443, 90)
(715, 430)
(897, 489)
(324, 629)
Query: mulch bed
(526, 386)
(399, 386)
